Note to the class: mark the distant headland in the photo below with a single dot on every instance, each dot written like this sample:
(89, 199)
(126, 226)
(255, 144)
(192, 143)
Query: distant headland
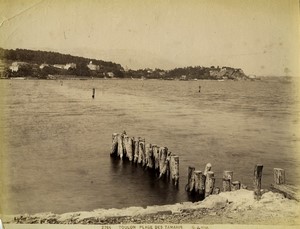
(22, 63)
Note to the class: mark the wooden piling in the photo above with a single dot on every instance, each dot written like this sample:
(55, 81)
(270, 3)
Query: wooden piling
(120, 146)
(168, 172)
(235, 185)
(174, 169)
(155, 150)
(114, 145)
(149, 156)
(279, 176)
(94, 90)
(163, 153)
(209, 183)
(257, 181)
(136, 149)
(199, 182)
(191, 180)
(207, 168)
(142, 153)
(128, 145)
(163, 161)
(227, 178)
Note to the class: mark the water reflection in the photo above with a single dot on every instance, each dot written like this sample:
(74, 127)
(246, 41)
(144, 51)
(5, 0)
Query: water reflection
(142, 181)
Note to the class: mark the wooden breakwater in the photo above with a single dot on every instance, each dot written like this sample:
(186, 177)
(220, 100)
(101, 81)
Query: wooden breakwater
(279, 185)
(158, 159)
(202, 184)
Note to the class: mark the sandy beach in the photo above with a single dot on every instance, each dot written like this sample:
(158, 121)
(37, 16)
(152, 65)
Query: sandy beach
(236, 207)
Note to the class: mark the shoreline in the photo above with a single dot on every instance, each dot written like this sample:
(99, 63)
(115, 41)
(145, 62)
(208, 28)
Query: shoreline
(236, 207)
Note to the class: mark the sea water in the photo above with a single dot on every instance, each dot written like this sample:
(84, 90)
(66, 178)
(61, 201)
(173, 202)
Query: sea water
(58, 138)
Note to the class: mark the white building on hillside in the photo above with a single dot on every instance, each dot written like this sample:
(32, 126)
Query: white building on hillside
(15, 66)
(70, 65)
(93, 67)
(61, 66)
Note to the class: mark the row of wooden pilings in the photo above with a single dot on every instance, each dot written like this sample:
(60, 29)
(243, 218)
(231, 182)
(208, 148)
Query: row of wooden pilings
(202, 184)
(150, 156)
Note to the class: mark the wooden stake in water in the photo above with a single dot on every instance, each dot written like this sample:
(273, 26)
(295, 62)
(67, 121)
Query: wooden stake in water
(149, 156)
(120, 146)
(227, 178)
(207, 168)
(114, 145)
(257, 181)
(142, 153)
(136, 149)
(163, 153)
(94, 91)
(279, 176)
(174, 169)
(155, 150)
(199, 182)
(128, 143)
(191, 180)
(163, 162)
(209, 183)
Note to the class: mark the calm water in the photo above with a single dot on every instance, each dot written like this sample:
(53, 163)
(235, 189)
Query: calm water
(58, 138)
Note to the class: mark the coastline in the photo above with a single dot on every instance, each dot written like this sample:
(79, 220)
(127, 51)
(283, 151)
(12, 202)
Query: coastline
(236, 207)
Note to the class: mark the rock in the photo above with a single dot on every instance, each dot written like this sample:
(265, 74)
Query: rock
(214, 201)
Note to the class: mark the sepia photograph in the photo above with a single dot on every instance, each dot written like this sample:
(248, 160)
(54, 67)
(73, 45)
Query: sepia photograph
(155, 114)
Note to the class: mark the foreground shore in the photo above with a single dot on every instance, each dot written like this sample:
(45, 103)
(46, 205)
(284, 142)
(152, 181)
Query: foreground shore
(237, 207)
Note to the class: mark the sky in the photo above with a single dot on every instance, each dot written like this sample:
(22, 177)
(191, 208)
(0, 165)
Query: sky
(259, 36)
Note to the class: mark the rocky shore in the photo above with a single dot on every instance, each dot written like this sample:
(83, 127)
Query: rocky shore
(237, 207)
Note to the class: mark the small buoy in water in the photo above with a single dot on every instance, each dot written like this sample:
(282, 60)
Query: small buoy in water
(199, 88)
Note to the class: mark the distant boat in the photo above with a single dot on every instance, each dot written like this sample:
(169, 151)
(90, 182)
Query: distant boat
(221, 80)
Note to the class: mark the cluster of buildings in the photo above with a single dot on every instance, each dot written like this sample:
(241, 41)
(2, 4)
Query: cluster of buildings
(17, 65)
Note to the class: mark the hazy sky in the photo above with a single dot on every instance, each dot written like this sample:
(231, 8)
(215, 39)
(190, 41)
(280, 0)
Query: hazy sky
(259, 36)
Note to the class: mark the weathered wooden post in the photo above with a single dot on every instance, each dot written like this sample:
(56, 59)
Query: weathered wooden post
(235, 185)
(114, 145)
(289, 191)
(257, 181)
(207, 168)
(168, 164)
(163, 162)
(227, 178)
(128, 143)
(174, 169)
(191, 180)
(136, 149)
(163, 153)
(141, 151)
(199, 183)
(94, 91)
(279, 176)
(209, 183)
(155, 150)
(120, 146)
(149, 156)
